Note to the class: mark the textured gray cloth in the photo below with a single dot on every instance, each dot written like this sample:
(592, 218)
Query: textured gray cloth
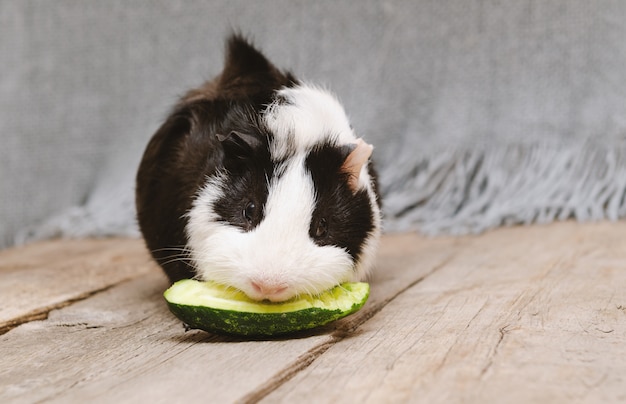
(483, 113)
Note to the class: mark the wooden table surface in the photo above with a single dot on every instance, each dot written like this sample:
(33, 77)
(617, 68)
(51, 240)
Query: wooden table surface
(521, 314)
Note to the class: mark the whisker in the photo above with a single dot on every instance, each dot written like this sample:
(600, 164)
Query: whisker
(172, 248)
(172, 254)
(177, 259)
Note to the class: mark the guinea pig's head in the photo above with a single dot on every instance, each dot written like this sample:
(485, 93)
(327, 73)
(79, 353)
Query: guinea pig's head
(274, 192)
(293, 210)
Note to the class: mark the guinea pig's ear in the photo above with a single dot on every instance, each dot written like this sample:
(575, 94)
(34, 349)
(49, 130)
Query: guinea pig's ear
(242, 59)
(354, 162)
(238, 146)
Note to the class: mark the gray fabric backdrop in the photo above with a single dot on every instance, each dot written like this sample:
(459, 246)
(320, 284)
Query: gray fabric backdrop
(482, 112)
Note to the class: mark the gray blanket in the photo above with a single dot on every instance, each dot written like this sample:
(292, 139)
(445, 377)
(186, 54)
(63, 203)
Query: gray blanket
(483, 113)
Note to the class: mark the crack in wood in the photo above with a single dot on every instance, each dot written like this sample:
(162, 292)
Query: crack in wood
(42, 313)
(444, 360)
(301, 363)
(305, 360)
(494, 352)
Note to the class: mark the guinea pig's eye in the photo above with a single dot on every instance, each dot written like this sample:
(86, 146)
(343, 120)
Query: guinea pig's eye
(321, 229)
(249, 211)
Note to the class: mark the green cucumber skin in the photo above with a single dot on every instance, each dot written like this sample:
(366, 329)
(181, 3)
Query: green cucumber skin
(255, 324)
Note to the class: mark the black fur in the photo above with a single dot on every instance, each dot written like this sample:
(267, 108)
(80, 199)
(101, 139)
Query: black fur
(348, 215)
(247, 160)
(186, 149)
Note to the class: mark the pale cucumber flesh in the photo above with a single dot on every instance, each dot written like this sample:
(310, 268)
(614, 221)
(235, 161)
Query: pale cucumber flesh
(190, 292)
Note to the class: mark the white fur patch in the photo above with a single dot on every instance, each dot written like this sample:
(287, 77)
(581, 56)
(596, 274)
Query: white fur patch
(310, 116)
(277, 252)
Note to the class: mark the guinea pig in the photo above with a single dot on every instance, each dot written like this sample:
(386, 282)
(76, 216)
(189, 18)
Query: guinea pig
(257, 181)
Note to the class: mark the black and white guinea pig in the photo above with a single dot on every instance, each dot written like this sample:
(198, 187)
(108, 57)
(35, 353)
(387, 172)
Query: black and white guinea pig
(257, 181)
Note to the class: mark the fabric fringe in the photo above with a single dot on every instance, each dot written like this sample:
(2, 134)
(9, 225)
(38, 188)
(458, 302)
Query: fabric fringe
(472, 190)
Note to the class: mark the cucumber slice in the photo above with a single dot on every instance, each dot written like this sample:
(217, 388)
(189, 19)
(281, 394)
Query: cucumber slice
(219, 309)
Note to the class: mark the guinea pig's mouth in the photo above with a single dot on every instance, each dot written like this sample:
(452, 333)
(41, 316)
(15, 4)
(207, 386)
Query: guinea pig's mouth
(263, 290)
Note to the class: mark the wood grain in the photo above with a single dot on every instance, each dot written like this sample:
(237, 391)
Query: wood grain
(123, 344)
(36, 278)
(524, 314)
(519, 315)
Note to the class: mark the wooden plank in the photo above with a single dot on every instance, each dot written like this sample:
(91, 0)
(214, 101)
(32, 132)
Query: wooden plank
(122, 344)
(36, 278)
(522, 315)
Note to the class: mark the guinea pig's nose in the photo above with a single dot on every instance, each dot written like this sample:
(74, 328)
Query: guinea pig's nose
(268, 289)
